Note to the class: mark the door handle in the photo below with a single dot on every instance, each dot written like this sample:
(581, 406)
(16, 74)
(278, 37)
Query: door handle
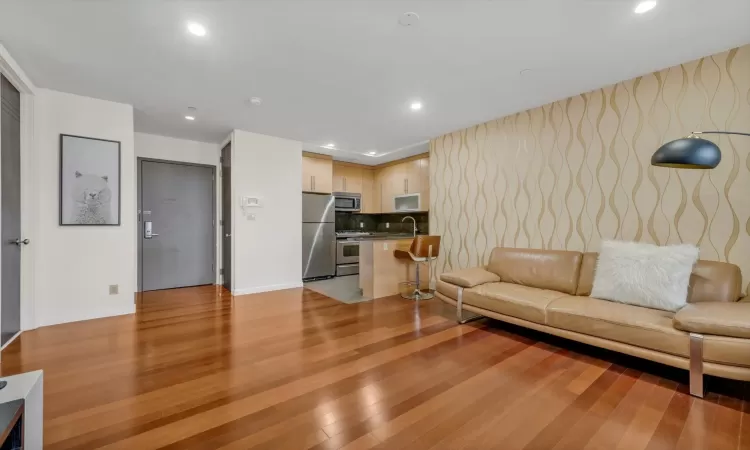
(147, 233)
(227, 235)
(18, 242)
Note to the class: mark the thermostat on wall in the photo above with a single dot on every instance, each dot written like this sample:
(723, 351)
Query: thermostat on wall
(251, 202)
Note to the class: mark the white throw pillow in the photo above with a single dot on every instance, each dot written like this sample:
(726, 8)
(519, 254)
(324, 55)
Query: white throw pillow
(644, 274)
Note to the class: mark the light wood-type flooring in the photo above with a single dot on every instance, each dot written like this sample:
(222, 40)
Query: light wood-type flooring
(198, 369)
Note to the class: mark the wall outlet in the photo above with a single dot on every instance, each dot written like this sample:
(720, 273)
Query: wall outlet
(387, 225)
(114, 289)
(361, 224)
(385, 246)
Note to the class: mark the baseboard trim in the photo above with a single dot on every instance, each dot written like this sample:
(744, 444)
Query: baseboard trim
(270, 287)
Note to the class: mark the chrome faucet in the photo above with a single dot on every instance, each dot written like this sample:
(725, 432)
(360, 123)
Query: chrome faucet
(415, 224)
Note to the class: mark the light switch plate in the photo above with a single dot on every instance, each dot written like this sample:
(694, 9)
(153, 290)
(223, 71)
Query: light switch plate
(114, 289)
(387, 225)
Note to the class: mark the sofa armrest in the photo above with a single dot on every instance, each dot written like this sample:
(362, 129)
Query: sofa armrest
(468, 278)
(721, 319)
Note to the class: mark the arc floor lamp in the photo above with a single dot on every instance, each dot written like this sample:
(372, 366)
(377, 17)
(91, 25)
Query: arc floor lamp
(692, 152)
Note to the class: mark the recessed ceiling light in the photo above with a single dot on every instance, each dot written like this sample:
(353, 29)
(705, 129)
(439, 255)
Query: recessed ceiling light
(645, 6)
(330, 145)
(189, 117)
(196, 29)
(416, 106)
(256, 101)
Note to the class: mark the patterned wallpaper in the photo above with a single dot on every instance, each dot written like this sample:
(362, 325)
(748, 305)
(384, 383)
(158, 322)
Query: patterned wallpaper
(569, 174)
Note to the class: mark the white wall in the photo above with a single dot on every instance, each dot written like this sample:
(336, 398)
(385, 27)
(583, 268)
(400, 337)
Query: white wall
(74, 266)
(267, 251)
(182, 150)
(172, 149)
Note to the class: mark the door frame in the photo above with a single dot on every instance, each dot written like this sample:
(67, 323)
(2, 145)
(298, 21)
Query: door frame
(13, 72)
(138, 222)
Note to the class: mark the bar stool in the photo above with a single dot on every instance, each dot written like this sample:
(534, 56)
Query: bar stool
(424, 249)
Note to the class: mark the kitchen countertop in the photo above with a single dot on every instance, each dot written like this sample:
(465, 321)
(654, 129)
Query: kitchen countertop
(380, 236)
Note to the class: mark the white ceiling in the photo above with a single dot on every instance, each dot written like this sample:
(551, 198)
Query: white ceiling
(345, 71)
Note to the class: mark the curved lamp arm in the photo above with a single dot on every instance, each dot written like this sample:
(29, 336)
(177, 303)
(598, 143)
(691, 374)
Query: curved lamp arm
(719, 132)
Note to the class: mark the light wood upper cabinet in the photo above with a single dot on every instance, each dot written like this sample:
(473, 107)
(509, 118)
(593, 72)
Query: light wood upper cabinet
(370, 201)
(392, 183)
(317, 174)
(408, 177)
(378, 186)
(347, 178)
(424, 183)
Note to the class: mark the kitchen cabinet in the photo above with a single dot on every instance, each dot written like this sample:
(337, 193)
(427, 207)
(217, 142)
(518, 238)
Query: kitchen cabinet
(370, 201)
(408, 177)
(317, 174)
(392, 182)
(424, 183)
(347, 178)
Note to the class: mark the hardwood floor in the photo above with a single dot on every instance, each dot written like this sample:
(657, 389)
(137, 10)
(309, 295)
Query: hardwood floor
(293, 369)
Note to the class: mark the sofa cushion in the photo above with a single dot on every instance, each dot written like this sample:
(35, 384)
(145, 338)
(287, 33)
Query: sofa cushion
(514, 300)
(714, 281)
(448, 289)
(722, 319)
(556, 270)
(470, 277)
(726, 350)
(634, 325)
(586, 278)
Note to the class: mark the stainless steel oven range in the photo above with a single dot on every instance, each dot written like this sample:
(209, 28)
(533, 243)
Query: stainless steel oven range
(347, 252)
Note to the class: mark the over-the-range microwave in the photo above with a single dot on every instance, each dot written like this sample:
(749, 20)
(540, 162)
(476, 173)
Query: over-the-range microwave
(347, 201)
(407, 202)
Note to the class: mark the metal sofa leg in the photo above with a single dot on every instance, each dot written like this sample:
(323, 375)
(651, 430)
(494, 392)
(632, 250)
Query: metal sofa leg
(462, 317)
(696, 365)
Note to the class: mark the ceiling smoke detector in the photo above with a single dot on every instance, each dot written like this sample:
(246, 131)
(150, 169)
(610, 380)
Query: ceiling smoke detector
(408, 19)
(255, 101)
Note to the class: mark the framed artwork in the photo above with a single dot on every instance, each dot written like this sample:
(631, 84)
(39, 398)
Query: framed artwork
(89, 181)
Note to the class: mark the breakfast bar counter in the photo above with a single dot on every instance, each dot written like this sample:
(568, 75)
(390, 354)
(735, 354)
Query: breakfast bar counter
(380, 272)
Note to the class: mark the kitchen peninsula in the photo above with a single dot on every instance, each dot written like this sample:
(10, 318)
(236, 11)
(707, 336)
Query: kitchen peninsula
(380, 272)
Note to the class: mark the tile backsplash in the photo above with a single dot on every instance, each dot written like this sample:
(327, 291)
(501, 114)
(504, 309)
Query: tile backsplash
(377, 222)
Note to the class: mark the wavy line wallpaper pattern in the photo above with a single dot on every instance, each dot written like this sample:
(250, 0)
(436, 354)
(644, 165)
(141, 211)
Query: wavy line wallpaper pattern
(569, 174)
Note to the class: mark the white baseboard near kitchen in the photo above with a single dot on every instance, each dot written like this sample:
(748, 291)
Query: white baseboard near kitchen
(271, 287)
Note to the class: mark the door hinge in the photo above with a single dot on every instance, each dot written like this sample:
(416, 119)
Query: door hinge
(221, 271)
(221, 159)
(221, 222)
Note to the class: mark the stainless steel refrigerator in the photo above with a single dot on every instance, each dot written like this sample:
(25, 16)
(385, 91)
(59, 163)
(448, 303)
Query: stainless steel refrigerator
(318, 236)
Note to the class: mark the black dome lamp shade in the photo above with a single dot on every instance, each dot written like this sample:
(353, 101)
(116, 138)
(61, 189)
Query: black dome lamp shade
(691, 152)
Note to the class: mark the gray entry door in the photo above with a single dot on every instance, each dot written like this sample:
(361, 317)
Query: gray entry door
(226, 216)
(177, 203)
(10, 161)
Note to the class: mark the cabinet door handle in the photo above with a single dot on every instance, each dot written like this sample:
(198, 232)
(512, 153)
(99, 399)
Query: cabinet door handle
(407, 185)
(312, 182)
(344, 183)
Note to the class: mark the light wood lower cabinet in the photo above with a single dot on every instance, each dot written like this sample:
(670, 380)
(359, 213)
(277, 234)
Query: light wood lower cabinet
(317, 174)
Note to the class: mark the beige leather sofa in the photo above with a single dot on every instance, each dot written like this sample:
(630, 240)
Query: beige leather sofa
(548, 291)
